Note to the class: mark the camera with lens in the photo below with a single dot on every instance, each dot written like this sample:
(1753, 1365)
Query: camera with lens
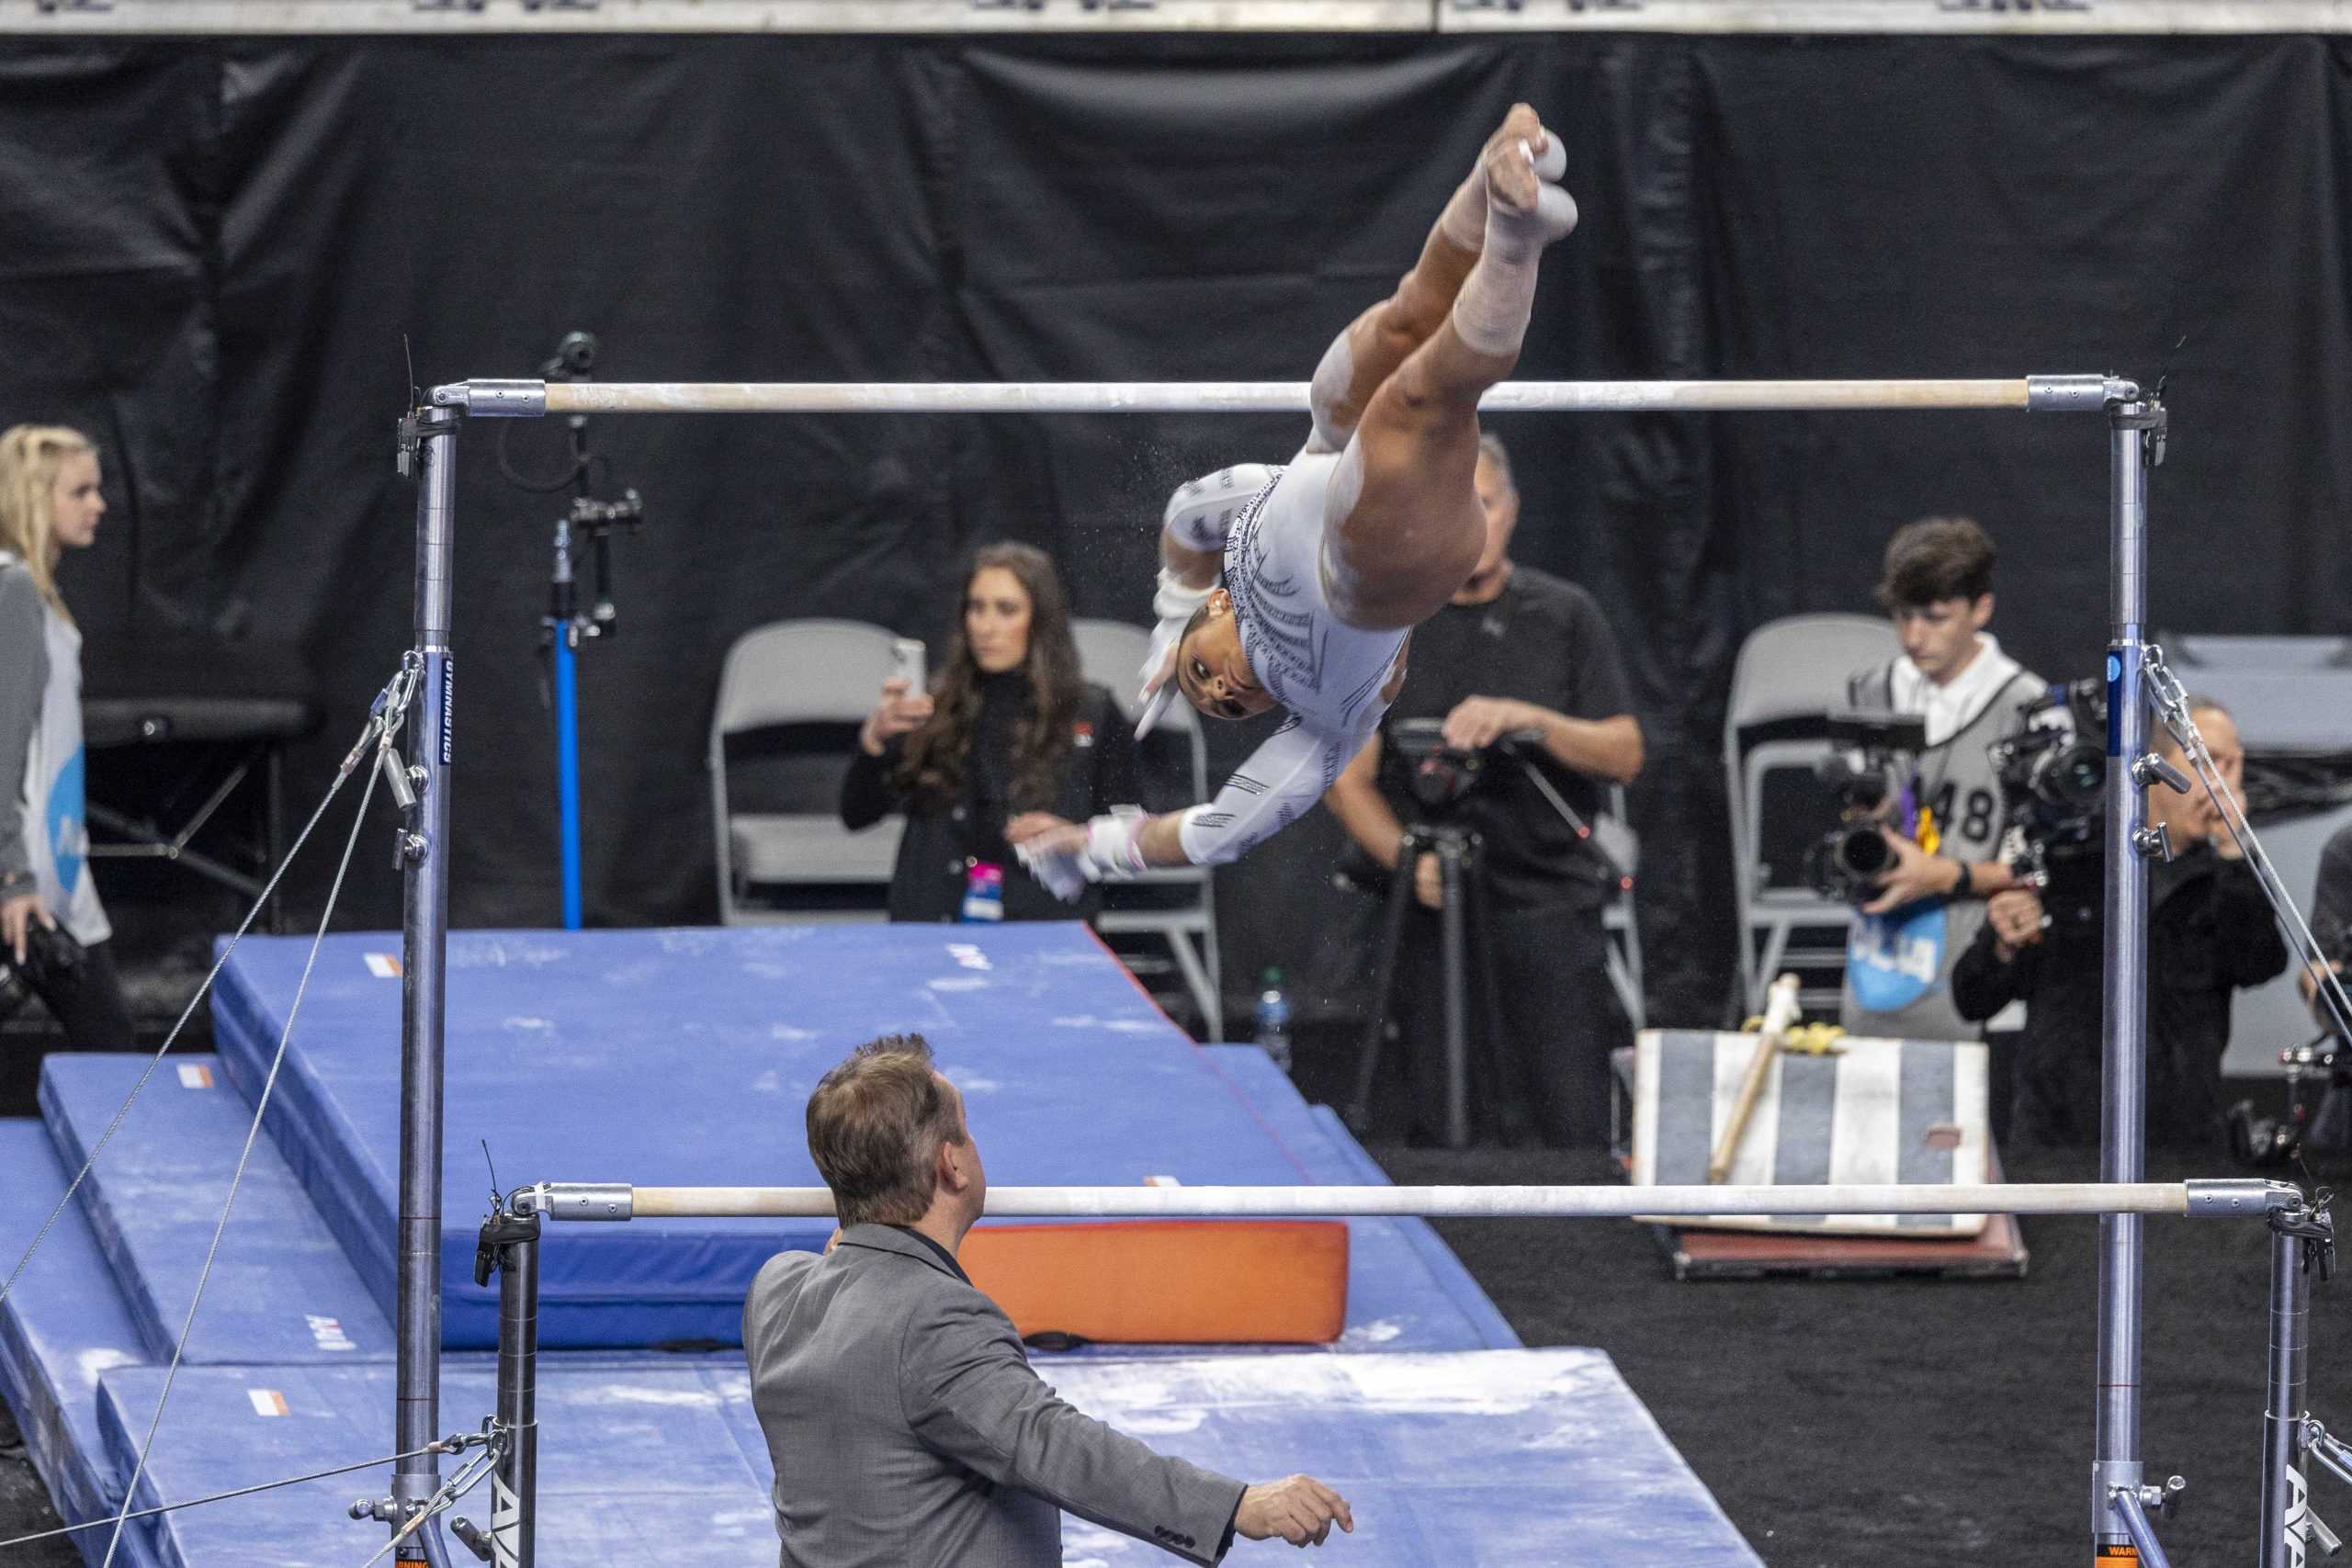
(51, 954)
(1442, 776)
(1868, 772)
(2053, 782)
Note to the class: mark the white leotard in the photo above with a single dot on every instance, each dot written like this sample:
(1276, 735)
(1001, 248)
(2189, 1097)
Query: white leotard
(1328, 674)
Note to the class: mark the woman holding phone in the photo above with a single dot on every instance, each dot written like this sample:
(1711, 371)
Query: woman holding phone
(1008, 731)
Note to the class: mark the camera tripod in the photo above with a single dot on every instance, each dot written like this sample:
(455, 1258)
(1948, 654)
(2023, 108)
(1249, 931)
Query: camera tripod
(1461, 859)
(1442, 775)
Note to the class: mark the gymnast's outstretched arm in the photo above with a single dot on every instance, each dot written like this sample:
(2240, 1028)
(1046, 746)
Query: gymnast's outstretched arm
(1280, 783)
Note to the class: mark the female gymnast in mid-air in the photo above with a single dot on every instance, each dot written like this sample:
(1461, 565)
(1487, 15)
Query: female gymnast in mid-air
(1298, 587)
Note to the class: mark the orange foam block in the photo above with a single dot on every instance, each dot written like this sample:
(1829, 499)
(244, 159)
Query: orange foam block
(1169, 1281)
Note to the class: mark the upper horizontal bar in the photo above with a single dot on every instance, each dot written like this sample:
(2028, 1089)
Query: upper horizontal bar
(530, 400)
(602, 1201)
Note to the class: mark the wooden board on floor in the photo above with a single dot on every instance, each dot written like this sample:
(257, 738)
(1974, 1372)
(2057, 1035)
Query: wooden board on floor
(1997, 1252)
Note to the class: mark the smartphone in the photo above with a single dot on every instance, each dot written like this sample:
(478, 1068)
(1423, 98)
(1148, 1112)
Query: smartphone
(906, 662)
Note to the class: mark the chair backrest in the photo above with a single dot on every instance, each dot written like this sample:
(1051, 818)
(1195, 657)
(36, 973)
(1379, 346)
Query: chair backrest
(1799, 665)
(2197, 651)
(1789, 671)
(814, 679)
(810, 672)
(1110, 653)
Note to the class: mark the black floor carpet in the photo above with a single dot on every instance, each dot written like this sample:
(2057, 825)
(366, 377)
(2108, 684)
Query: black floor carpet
(1919, 1421)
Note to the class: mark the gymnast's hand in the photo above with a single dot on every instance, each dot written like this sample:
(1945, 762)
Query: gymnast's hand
(16, 917)
(1298, 1509)
(1053, 851)
(895, 714)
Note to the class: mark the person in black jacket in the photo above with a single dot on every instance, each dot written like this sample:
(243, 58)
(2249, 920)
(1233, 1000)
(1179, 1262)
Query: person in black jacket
(1010, 732)
(2209, 933)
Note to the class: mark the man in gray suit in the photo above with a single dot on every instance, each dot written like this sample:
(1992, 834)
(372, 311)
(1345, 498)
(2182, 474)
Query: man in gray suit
(901, 1410)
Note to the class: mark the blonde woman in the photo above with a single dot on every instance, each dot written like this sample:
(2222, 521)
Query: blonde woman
(48, 504)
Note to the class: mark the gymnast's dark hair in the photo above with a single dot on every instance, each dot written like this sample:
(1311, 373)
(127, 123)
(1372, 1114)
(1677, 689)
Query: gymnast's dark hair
(931, 769)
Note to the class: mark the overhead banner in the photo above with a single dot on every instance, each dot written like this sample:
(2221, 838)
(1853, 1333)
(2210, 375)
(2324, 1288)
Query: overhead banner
(1893, 15)
(1080, 16)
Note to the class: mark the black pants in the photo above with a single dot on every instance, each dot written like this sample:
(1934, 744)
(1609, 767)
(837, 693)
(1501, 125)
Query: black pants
(1545, 1074)
(86, 1001)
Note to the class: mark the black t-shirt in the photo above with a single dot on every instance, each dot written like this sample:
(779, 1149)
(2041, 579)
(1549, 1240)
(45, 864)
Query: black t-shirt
(1543, 641)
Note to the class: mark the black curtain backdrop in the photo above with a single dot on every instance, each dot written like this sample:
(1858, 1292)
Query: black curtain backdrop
(210, 251)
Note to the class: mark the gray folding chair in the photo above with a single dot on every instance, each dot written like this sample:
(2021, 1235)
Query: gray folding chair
(818, 678)
(1176, 904)
(1790, 673)
(1614, 830)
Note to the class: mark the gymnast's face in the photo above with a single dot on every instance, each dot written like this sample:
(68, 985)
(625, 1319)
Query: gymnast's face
(996, 620)
(1210, 669)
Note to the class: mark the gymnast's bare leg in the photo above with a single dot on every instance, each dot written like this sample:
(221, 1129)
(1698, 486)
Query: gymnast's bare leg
(1321, 567)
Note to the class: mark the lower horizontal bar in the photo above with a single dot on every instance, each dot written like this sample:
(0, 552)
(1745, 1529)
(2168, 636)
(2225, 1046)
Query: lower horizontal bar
(615, 1202)
(526, 400)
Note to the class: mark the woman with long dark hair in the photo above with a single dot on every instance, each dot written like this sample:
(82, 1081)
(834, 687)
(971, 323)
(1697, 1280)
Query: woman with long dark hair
(53, 931)
(1009, 730)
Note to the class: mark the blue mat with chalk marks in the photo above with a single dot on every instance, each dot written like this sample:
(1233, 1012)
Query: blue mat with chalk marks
(684, 1058)
(61, 1328)
(280, 1289)
(1496, 1458)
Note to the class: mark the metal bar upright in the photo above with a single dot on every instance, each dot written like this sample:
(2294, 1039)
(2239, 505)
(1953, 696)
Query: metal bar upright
(2115, 1463)
(2286, 1504)
(514, 1483)
(425, 866)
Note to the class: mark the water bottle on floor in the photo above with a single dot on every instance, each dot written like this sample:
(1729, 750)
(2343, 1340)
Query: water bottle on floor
(1273, 1020)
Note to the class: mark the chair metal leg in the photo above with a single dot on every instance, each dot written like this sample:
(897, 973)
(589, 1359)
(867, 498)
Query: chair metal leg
(1197, 981)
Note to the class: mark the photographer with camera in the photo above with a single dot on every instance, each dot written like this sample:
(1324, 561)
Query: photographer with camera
(1920, 898)
(1523, 663)
(52, 931)
(2209, 933)
(2331, 918)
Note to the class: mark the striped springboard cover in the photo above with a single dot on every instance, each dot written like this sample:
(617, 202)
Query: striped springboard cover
(1883, 1110)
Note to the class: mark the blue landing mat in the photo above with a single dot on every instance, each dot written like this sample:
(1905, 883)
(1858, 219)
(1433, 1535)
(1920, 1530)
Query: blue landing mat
(62, 1328)
(281, 1290)
(686, 1058)
(1406, 1288)
(1485, 1460)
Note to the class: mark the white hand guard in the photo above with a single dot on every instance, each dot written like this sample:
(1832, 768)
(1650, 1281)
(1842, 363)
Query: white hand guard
(1113, 853)
(1056, 869)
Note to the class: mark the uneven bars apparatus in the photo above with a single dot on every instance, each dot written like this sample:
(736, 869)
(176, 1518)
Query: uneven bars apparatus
(2119, 1500)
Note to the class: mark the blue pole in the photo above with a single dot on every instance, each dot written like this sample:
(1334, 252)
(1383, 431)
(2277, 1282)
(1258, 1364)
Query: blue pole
(567, 770)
